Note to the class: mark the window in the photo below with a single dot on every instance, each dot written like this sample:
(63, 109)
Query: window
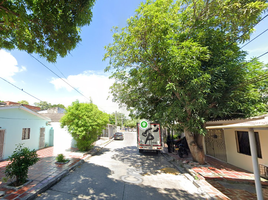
(242, 142)
(25, 133)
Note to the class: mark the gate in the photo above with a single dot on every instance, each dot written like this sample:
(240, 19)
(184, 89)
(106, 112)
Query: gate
(42, 138)
(215, 144)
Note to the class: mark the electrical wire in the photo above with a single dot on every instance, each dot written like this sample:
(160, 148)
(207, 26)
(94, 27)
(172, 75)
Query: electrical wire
(60, 71)
(58, 76)
(254, 79)
(262, 55)
(254, 26)
(254, 39)
(20, 89)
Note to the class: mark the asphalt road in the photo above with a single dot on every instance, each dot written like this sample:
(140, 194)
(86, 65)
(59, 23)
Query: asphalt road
(121, 172)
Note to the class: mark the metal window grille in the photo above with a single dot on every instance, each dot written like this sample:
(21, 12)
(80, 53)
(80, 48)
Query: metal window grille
(25, 133)
(263, 171)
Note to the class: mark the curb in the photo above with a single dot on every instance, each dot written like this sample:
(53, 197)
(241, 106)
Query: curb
(187, 174)
(57, 178)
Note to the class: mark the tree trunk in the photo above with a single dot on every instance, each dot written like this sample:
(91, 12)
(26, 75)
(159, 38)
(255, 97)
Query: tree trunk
(195, 143)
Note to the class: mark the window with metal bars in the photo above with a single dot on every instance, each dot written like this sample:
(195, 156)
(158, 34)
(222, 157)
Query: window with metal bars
(25, 133)
(242, 143)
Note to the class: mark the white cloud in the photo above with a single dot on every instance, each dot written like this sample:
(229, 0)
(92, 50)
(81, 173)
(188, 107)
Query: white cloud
(93, 85)
(8, 66)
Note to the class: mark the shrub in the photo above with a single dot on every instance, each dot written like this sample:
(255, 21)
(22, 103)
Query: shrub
(60, 158)
(20, 161)
(85, 122)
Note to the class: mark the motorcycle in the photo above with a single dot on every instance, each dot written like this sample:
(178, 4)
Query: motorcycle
(181, 147)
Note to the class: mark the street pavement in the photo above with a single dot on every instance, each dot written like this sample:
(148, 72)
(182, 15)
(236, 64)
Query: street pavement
(120, 172)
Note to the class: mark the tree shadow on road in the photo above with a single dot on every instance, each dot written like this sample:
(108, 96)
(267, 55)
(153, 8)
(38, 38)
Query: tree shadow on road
(150, 161)
(92, 181)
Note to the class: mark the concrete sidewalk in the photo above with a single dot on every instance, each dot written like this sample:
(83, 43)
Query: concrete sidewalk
(218, 179)
(46, 172)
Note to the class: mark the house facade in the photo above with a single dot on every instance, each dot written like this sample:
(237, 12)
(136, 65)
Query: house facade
(62, 139)
(228, 140)
(21, 125)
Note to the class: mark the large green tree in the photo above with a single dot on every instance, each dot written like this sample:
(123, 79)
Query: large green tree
(85, 122)
(178, 62)
(117, 118)
(132, 123)
(43, 105)
(46, 27)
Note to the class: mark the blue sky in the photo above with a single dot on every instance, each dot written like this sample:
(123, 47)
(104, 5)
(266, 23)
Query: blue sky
(83, 67)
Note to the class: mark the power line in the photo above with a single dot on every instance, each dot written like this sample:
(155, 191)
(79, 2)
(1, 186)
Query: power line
(58, 76)
(20, 89)
(254, 26)
(262, 55)
(62, 78)
(255, 79)
(60, 71)
(254, 38)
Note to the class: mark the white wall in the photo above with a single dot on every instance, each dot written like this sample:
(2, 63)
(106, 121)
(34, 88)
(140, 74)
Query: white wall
(13, 121)
(63, 140)
(241, 160)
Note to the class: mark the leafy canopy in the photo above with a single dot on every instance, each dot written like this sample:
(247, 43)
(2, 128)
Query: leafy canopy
(85, 122)
(46, 27)
(180, 61)
(45, 105)
(117, 117)
(23, 102)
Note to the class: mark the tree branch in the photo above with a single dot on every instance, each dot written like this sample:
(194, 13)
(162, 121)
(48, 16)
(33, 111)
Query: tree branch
(9, 11)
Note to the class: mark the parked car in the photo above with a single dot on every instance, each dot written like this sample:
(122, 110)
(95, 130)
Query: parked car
(118, 136)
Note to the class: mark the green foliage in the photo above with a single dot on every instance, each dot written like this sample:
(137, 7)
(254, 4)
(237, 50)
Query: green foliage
(180, 62)
(119, 117)
(45, 105)
(60, 158)
(20, 161)
(85, 122)
(48, 28)
(23, 102)
(132, 123)
(58, 105)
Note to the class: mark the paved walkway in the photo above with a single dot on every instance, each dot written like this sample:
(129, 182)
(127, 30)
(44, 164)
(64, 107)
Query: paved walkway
(45, 172)
(221, 180)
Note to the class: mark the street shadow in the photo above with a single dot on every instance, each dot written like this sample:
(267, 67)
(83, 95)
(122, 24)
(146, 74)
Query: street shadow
(150, 161)
(100, 151)
(92, 181)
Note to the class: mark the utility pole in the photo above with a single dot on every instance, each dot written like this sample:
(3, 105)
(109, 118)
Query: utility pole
(115, 119)
(122, 119)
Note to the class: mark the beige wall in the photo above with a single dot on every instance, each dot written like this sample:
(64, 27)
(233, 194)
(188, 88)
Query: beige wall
(241, 160)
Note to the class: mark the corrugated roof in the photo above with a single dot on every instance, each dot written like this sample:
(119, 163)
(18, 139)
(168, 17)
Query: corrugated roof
(261, 123)
(25, 109)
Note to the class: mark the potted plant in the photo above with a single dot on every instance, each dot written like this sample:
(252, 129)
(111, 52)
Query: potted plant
(20, 161)
(61, 160)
